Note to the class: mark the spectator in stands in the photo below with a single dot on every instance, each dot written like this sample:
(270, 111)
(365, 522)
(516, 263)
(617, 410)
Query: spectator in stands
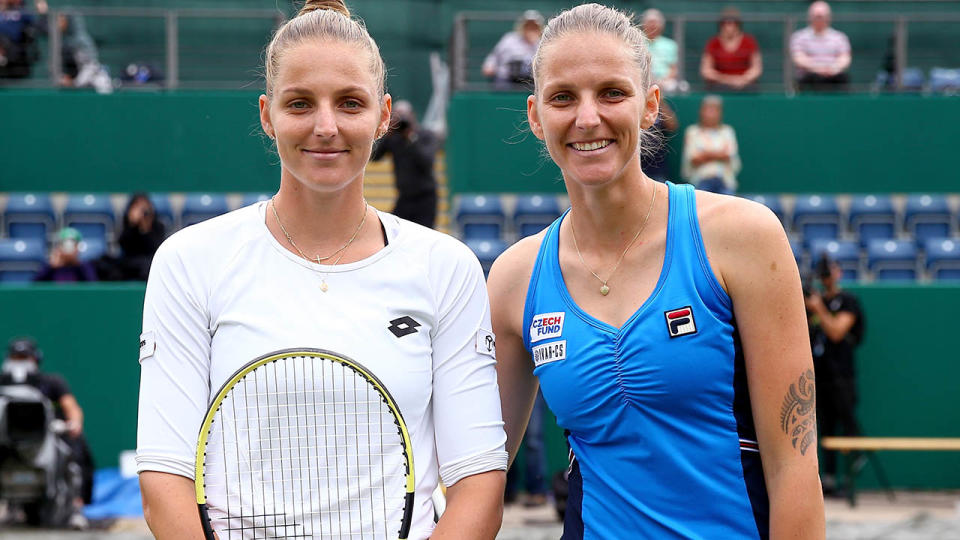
(22, 366)
(509, 62)
(731, 60)
(837, 329)
(65, 265)
(81, 67)
(820, 54)
(653, 158)
(140, 237)
(663, 52)
(711, 159)
(19, 31)
(414, 151)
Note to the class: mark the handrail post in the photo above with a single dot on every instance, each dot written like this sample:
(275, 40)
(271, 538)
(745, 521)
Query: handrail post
(788, 78)
(173, 49)
(459, 78)
(900, 50)
(56, 54)
(679, 29)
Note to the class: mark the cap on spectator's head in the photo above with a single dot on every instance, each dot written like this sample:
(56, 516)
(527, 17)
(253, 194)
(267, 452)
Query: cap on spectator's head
(69, 234)
(532, 15)
(23, 347)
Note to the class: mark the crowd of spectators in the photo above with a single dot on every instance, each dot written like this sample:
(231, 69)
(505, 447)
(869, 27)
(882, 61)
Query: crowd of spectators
(731, 61)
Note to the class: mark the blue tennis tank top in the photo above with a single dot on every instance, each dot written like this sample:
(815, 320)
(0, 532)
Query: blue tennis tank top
(656, 412)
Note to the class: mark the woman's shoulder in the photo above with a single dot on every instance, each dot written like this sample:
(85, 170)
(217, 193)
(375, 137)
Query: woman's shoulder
(510, 273)
(736, 222)
(213, 238)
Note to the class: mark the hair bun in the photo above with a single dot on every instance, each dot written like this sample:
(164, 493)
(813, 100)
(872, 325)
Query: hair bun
(330, 5)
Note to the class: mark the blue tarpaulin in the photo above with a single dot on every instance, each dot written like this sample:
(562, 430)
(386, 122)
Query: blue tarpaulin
(114, 496)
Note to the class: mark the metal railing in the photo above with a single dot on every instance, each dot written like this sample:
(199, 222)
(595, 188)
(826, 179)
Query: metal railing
(465, 57)
(170, 19)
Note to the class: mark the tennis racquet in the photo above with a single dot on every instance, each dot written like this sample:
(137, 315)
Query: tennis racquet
(304, 443)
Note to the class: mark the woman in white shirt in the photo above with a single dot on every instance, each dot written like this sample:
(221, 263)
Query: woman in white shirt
(316, 267)
(711, 159)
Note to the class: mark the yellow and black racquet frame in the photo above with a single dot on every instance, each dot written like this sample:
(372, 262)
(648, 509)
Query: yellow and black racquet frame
(268, 358)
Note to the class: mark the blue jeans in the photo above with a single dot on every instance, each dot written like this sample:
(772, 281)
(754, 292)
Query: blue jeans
(714, 185)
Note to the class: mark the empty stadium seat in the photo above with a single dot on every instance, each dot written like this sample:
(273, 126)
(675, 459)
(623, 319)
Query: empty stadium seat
(872, 216)
(202, 206)
(480, 216)
(533, 213)
(487, 250)
(816, 216)
(892, 260)
(91, 248)
(29, 215)
(943, 258)
(945, 80)
(90, 213)
(843, 252)
(251, 198)
(21, 259)
(769, 200)
(927, 216)
(164, 210)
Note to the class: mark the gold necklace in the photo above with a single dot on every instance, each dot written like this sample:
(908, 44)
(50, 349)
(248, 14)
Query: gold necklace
(604, 289)
(318, 258)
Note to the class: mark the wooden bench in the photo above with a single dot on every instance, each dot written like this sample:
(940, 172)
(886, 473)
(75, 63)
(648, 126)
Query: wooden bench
(846, 445)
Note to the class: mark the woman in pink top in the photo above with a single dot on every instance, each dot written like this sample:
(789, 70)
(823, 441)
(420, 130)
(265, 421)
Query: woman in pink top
(731, 60)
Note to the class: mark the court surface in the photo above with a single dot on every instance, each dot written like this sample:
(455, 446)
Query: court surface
(912, 516)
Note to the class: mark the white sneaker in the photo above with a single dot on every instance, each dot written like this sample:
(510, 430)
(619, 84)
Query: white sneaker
(78, 522)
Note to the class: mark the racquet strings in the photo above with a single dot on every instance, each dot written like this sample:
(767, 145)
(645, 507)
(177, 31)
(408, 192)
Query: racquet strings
(304, 447)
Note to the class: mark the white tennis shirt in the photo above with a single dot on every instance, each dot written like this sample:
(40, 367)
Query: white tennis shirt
(224, 292)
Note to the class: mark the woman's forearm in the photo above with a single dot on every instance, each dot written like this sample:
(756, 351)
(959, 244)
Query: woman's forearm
(474, 508)
(796, 505)
(170, 506)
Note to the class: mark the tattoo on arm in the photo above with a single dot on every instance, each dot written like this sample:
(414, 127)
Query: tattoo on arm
(798, 413)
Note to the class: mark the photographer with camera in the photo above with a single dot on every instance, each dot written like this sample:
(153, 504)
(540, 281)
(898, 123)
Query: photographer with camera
(65, 265)
(509, 64)
(414, 151)
(22, 366)
(837, 326)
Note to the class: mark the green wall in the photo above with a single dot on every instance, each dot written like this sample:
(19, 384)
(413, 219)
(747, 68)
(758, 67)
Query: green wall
(801, 144)
(183, 141)
(908, 367)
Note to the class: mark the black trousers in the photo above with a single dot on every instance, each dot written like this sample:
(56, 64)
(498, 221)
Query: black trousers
(84, 458)
(820, 83)
(836, 404)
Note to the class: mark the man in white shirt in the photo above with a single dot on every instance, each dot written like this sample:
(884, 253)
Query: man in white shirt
(821, 54)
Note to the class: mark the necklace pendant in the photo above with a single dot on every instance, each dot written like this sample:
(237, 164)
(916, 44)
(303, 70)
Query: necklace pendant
(323, 286)
(604, 290)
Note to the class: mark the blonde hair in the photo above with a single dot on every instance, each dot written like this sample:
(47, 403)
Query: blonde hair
(602, 20)
(322, 19)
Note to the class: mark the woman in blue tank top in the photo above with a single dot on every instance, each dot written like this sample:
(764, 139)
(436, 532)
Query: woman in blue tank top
(665, 326)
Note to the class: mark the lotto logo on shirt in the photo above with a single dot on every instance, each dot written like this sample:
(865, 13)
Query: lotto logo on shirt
(546, 325)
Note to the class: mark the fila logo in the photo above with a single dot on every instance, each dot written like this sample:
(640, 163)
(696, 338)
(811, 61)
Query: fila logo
(546, 325)
(680, 322)
(403, 326)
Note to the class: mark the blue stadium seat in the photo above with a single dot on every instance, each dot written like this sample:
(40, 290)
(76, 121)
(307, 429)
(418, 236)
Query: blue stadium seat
(927, 216)
(872, 216)
(251, 198)
(480, 216)
(202, 206)
(91, 248)
(892, 260)
(843, 252)
(29, 215)
(797, 248)
(164, 210)
(943, 258)
(769, 200)
(91, 214)
(487, 250)
(816, 216)
(534, 213)
(945, 80)
(21, 258)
